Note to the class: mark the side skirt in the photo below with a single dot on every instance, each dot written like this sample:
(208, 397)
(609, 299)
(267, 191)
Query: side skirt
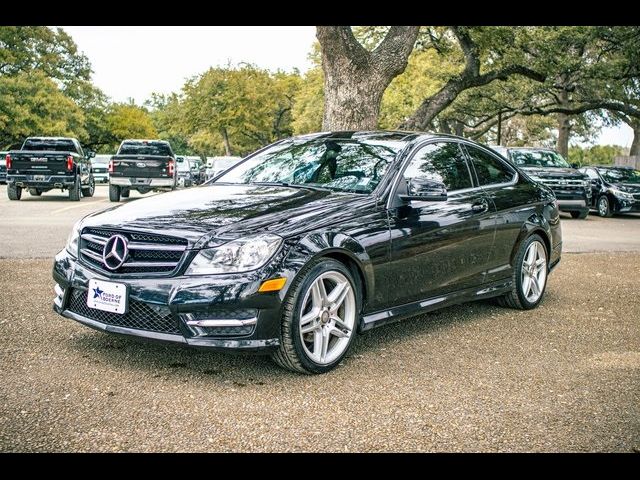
(383, 317)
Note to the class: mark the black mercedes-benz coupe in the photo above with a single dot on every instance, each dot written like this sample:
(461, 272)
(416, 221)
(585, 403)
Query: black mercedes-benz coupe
(310, 240)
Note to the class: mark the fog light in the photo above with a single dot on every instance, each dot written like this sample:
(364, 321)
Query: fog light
(273, 285)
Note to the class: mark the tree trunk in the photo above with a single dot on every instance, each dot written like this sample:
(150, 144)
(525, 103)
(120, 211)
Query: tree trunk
(349, 104)
(227, 144)
(635, 145)
(355, 79)
(564, 131)
(564, 126)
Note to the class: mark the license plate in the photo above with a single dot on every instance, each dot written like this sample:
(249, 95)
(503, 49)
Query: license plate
(38, 178)
(107, 296)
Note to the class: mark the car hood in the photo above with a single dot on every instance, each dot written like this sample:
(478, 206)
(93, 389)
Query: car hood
(627, 187)
(231, 211)
(554, 172)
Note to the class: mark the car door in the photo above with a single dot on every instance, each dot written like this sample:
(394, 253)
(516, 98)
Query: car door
(499, 181)
(596, 184)
(439, 246)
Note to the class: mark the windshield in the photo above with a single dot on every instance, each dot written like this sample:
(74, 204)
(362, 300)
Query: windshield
(538, 158)
(620, 175)
(50, 145)
(183, 166)
(101, 160)
(145, 148)
(339, 164)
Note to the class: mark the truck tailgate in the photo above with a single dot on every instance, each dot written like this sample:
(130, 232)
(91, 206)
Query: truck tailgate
(35, 162)
(141, 166)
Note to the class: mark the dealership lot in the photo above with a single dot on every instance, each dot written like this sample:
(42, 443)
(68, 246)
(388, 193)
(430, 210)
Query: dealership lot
(565, 377)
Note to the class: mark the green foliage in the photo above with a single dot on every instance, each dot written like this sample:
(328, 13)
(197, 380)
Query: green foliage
(251, 106)
(32, 104)
(595, 155)
(308, 103)
(128, 121)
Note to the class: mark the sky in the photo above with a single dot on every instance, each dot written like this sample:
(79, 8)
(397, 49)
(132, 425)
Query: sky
(133, 62)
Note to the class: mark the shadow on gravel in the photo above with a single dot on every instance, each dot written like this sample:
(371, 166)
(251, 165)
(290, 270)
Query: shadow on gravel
(179, 362)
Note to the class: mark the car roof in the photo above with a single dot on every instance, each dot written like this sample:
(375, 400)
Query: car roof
(142, 140)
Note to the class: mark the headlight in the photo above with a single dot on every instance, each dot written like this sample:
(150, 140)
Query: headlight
(72, 240)
(236, 256)
(586, 183)
(621, 194)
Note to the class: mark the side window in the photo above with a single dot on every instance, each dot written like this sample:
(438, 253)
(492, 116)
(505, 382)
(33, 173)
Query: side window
(442, 162)
(79, 149)
(591, 173)
(489, 169)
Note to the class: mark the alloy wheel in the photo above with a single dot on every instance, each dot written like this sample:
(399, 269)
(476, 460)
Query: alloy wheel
(534, 271)
(327, 317)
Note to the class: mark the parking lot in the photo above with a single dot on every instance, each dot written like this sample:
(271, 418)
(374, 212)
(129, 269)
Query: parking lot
(475, 377)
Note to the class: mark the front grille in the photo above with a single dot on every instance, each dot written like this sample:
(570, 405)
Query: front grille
(227, 331)
(573, 185)
(147, 253)
(140, 316)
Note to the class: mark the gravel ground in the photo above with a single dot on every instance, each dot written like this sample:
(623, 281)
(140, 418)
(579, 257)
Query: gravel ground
(565, 377)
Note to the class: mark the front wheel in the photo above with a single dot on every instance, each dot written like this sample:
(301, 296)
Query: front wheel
(125, 193)
(35, 192)
(90, 189)
(114, 193)
(604, 207)
(529, 276)
(319, 318)
(14, 192)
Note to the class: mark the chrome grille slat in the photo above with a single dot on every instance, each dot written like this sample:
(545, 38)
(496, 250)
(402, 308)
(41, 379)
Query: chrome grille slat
(147, 253)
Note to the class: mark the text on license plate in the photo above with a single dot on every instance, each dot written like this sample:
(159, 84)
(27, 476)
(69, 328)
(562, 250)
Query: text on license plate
(107, 296)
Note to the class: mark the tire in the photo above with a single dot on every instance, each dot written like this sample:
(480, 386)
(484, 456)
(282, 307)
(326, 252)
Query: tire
(14, 192)
(580, 215)
(90, 190)
(35, 192)
(114, 193)
(75, 192)
(125, 193)
(517, 297)
(604, 207)
(294, 353)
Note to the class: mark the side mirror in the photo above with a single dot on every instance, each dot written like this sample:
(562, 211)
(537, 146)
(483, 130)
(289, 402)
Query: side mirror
(425, 190)
(91, 154)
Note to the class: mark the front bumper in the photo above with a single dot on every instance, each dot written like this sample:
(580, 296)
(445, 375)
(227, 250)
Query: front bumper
(573, 204)
(626, 205)
(142, 182)
(193, 305)
(42, 181)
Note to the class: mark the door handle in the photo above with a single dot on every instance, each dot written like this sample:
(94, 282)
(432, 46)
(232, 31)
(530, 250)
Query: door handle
(480, 207)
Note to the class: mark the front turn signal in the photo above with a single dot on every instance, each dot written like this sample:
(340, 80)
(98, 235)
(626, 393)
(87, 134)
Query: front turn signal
(273, 285)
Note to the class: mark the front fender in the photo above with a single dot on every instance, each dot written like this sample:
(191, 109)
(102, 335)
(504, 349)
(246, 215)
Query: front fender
(326, 243)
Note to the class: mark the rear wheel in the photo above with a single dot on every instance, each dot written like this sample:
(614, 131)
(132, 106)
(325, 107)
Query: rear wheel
(90, 189)
(580, 215)
(319, 318)
(14, 192)
(604, 207)
(529, 276)
(36, 192)
(114, 193)
(125, 193)
(74, 191)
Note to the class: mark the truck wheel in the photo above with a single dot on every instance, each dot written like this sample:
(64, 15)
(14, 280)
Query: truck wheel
(114, 193)
(125, 193)
(89, 191)
(74, 191)
(14, 192)
(36, 192)
(580, 215)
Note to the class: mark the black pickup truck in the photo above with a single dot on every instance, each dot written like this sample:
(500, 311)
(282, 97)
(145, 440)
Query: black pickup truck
(571, 187)
(142, 165)
(45, 163)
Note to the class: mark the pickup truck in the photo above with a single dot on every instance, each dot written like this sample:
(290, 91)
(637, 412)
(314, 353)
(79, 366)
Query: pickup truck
(45, 163)
(571, 187)
(142, 165)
